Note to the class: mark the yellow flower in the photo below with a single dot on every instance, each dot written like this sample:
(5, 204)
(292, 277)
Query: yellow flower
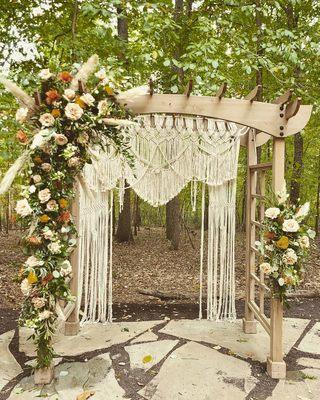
(63, 203)
(109, 90)
(56, 113)
(32, 278)
(44, 218)
(80, 103)
(283, 243)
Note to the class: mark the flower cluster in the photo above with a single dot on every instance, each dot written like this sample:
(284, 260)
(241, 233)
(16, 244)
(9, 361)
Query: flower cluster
(67, 125)
(284, 245)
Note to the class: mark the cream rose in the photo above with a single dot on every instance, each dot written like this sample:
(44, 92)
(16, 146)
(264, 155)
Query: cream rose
(45, 315)
(45, 74)
(48, 234)
(266, 268)
(73, 111)
(46, 120)
(272, 212)
(281, 281)
(303, 211)
(66, 268)
(44, 195)
(69, 94)
(88, 99)
(25, 287)
(46, 167)
(73, 162)
(54, 247)
(304, 242)
(38, 302)
(33, 261)
(101, 74)
(52, 205)
(36, 179)
(290, 225)
(290, 257)
(21, 115)
(103, 107)
(23, 208)
(60, 139)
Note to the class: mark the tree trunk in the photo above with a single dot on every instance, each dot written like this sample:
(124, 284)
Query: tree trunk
(318, 199)
(124, 231)
(173, 223)
(137, 215)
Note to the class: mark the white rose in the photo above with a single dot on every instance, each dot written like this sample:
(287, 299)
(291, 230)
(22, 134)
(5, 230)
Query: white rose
(290, 257)
(40, 138)
(73, 111)
(52, 205)
(46, 119)
(23, 208)
(281, 281)
(103, 107)
(25, 287)
(290, 225)
(33, 261)
(54, 247)
(311, 233)
(66, 268)
(44, 195)
(45, 315)
(303, 211)
(36, 179)
(101, 74)
(45, 74)
(272, 212)
(88, 99)
(56, 274)
(282, 196)
(32, 189)
(266, 268)
(38, 302)
(304, 242)
(69, 94)
(21, 115)
(48, 234)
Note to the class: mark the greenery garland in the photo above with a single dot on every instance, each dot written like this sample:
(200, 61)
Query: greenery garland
(68, 123)
(284, 245)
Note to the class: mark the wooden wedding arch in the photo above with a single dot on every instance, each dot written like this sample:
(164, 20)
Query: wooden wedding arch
(278, 120)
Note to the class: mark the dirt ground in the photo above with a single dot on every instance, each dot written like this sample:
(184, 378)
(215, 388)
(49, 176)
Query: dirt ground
(147, 263)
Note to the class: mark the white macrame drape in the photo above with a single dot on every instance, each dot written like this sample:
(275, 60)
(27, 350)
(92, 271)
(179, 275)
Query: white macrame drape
(169, 152)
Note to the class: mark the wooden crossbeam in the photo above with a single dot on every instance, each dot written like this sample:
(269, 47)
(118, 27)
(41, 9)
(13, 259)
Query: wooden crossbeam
(284, 98)
(254, 94)
(189, 87)
(37, 98)
(81, 86)
(292, 108)
(151, 87)
(222, 90)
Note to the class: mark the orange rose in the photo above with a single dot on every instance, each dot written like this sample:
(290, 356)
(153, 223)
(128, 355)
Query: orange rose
(22, 136)
(269, 235)
(34, 240)
(52, 96)
(47, 279)
(44, 218)
(37, 160)
(65, 76)
(63, 203)
(56, 113)
(64, 217)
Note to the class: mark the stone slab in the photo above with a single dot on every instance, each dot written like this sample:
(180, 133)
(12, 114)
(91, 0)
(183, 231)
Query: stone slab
(231, 336)
(9, 367)
(72, 379)
(146, 355)
(309, 362)
(197, 372)
(91, 337)
(145, 337)
(305, 389)
(311, 342)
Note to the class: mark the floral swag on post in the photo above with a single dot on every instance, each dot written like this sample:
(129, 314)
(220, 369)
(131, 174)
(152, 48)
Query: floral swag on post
(58, 130)
(284, 245)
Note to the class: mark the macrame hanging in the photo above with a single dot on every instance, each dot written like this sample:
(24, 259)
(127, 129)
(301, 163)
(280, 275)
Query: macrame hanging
(169, 152)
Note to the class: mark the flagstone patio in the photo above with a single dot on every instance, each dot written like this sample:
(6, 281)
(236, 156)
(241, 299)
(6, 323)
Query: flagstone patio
(165, 360)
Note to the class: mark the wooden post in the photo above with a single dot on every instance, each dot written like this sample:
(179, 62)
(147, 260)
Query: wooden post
(249, 323)
(276, 367)
(72, 325)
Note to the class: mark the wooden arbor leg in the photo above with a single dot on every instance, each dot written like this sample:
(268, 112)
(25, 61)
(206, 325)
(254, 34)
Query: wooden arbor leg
(276, 367)
(72, 325)
(249, 323)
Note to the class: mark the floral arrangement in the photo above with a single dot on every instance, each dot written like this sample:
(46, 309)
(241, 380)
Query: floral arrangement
(58, 131)
(284, 245)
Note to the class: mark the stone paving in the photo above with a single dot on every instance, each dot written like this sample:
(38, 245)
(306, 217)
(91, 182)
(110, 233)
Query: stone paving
(165, 360)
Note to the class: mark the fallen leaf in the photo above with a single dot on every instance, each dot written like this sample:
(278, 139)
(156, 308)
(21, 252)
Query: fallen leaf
(85, 395)
(147, 359)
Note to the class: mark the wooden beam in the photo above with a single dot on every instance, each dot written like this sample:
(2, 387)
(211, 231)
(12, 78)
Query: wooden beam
(151, 87)
(254, 94)
(292, 108)
(37, 98)
(188, 90)
(284, 98)
(222, 90)
(264, 117)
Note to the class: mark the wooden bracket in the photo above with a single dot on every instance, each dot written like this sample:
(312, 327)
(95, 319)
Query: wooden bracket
(284, 98)
(81, 87)
(254, 94)
(222, 90)
(292, 108)
(151, 88)
(188, 90)
(37, 98)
